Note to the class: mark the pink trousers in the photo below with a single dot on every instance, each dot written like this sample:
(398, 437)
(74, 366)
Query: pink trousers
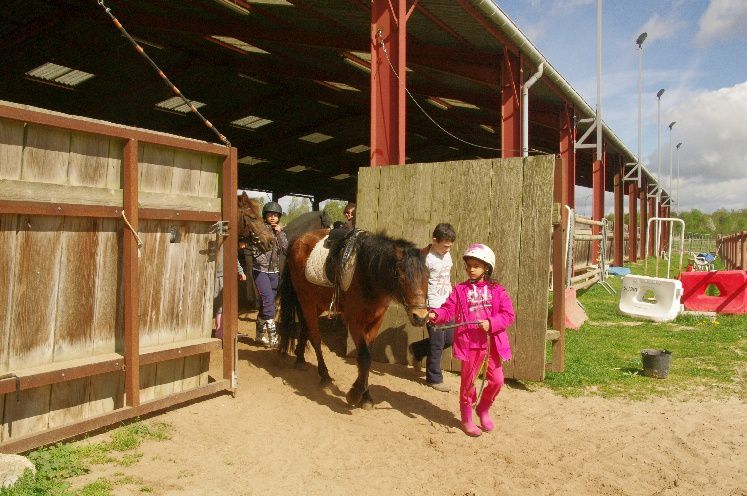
(470, 368)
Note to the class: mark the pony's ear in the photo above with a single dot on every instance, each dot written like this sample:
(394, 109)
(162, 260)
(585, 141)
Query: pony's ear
(399, 252)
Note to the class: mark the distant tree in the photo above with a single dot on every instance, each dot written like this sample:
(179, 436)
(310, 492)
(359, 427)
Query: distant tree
(334, 209)
(298, 205)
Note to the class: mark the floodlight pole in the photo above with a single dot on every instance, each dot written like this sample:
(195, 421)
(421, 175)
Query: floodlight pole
(657, 199)
(671, 161)
(639, 43)
(677, 194)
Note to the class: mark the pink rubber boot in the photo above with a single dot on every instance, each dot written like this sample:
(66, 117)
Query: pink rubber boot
(483, 412)
(468, 426)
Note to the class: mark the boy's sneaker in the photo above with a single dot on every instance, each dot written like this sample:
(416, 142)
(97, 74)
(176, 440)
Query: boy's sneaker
(439, 386)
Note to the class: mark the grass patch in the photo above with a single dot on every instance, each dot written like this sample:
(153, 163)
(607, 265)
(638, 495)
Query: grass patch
(709, 356)
(57, 464)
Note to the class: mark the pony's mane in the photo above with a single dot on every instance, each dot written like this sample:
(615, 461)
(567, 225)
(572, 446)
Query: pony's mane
(377, 260)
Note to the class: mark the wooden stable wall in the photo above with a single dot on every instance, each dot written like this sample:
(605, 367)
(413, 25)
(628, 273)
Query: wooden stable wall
(504, 203)
(91, 325)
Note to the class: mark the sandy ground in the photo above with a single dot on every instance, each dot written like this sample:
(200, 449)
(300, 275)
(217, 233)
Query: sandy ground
(285, 435)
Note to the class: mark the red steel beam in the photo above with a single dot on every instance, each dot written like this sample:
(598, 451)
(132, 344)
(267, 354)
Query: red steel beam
(568, 153)
(643, 203)
(632, 221)
(388, 97)
(511, 81)
(491, 28)
(618, 247)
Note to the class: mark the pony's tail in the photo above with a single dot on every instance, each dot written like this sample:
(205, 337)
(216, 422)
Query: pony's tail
(288, 310)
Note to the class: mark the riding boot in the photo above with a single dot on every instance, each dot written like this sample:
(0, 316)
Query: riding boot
(272, 333)
(262, 337)
(468, 425)
(483, 413)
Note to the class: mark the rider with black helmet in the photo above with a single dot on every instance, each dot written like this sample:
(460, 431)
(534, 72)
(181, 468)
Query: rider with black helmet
(266, 272)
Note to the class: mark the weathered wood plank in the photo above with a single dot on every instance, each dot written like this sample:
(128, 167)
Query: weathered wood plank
(156, 168)
(89, 160)
(11, 149)
(45, 155)
(187, 169)
(534, 272)
(27, 416)
(8, 254)
(210, 167)
(368, 196)
(505, 231)
(35, 279)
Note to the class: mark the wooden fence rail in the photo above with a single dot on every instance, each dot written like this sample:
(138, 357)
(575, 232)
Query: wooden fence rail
(733, 250)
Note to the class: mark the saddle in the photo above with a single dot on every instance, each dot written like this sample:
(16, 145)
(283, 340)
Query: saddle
(332, 261)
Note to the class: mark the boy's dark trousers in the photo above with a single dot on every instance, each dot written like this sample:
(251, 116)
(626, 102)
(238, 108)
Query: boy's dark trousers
(433, 347)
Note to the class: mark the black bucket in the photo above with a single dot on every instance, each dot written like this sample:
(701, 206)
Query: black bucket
(656, 363)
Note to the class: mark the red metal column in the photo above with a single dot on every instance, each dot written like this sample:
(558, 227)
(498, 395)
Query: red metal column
(633, 221)
(388, 96)
(511, 81)
(568, 153)
(652, 230)
(597, 204)
(643, 195)
(619, 209)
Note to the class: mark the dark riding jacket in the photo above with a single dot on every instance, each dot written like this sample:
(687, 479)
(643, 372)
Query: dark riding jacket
(268, 261)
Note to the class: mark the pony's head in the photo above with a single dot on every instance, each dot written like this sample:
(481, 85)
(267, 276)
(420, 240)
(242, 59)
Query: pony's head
(411, 275)
(251, 224)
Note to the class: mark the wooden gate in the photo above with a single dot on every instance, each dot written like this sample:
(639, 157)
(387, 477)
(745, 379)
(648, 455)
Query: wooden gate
(95, 329)
(504, 203)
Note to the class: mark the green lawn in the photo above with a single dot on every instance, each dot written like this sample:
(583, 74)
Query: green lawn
(709, 357)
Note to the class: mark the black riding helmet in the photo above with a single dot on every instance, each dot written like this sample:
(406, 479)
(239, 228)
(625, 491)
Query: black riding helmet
(272, 207)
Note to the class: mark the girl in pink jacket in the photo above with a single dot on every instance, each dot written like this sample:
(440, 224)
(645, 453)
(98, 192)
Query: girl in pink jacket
(478, 299)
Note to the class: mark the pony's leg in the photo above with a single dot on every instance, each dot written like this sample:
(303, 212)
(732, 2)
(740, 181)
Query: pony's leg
(312, 325)
(301, 346)
(358, 394)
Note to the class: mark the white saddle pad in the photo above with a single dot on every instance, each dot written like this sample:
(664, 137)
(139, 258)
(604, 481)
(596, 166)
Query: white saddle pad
(315, 272)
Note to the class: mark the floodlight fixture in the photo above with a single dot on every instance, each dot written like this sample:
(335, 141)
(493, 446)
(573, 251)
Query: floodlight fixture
(641, 38)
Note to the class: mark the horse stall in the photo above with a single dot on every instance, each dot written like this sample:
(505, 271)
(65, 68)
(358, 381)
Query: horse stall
(504, 203)
(108, 237)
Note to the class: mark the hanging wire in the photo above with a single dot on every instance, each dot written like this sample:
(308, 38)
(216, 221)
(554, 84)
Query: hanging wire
(386, 54)
(163, 76)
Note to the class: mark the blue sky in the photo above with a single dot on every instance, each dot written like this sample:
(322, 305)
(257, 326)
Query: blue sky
(696, 50)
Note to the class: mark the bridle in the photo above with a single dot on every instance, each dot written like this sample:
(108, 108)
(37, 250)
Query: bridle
(408, 306)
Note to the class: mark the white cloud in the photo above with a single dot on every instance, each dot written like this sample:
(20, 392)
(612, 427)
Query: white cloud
(723, 19)
(660, 28)
(713, 157)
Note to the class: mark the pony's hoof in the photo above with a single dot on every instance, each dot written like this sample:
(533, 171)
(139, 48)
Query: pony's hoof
(367, 404)
(353, 397)
(325, 381)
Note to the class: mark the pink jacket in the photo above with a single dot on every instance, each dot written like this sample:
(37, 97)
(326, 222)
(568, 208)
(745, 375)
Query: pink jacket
(469, 302)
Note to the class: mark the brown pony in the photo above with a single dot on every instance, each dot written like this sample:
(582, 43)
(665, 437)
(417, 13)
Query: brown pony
(385, 268)
(250, 223)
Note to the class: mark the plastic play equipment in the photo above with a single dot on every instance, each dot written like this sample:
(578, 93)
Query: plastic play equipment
(732, 291)
(665, 304)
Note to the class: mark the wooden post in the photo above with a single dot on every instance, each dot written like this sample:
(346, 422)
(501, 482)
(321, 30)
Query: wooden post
(230, 263)
(633, 222)
(131, 304)
(559, 268)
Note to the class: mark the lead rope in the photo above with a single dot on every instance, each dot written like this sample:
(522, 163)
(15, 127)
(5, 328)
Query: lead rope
(163, 76)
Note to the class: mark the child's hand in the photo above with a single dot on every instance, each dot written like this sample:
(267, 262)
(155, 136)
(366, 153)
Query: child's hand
(242, 277)
(431, 315)
(485, 325)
